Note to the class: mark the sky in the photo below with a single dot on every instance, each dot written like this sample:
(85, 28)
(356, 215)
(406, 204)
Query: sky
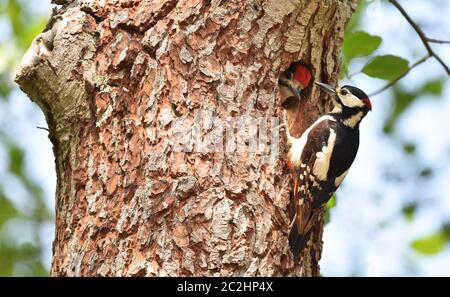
(354, 242)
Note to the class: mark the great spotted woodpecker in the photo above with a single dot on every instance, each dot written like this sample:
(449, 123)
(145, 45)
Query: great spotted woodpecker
(321, 157)
(292, 84)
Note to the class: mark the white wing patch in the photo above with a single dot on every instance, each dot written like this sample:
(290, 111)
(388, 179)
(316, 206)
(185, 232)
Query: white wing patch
(340, 178)
(322, 163)
(298, 144)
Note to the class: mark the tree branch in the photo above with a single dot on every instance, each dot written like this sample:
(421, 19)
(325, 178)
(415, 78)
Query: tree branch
(393, 82)
(43, 128)
(423, 37)
(432, 40)
(426, 42)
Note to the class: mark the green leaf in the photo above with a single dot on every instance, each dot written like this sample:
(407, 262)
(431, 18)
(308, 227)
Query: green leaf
(14, 12)
(16, 159)
(409, 148)
(24, 25)
(386, 67)
(5, 86)
(7, 209)
(360, 44)
(409, 211)
(29, 33)
(431, 244)
(426, 172)
(403, 100)
(351, 25)
(332, 202)
(433, 87)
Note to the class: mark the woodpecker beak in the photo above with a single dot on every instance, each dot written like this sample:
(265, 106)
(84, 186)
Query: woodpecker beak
(286, 83)
(327, 88)
(296, 92)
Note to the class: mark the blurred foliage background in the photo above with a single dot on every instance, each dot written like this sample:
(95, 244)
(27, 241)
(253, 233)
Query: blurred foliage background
(397, 212)
(21, 219)
(25, 206)
(360, 55)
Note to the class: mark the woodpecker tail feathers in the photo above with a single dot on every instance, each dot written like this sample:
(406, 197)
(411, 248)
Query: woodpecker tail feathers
(297, 242)
(301, 228)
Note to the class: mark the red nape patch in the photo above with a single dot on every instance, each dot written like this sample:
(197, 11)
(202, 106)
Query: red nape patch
(367, 103)
(302, 74)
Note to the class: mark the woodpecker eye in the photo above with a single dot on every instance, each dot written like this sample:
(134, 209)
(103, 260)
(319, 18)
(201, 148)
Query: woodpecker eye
(289, 75)
(344, 92)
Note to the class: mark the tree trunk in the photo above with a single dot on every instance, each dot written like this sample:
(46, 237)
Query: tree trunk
(164, 121)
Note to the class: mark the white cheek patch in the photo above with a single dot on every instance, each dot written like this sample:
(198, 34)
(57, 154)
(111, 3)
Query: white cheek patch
(351, 100)
(322, 163)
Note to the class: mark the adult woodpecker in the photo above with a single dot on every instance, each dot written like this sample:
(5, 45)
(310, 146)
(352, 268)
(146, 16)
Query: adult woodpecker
(321, 157)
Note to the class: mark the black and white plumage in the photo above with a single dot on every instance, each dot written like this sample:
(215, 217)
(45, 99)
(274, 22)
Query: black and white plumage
(321, 157)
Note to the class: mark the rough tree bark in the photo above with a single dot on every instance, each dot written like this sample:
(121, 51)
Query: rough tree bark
(113, 77)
